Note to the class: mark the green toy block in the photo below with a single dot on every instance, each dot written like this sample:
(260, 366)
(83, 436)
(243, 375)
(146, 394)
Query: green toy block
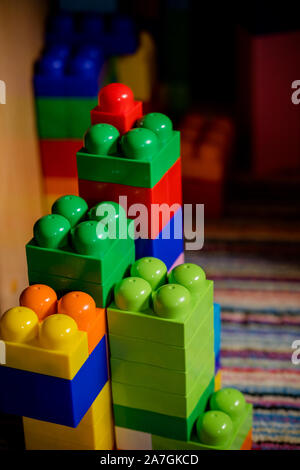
(84, 251)
(63, 118)
(164, 380)
(101, 293)
(167, 403)
(175, 332)
(139, 158)
(235, 441)
(160, 424)
(163, 355)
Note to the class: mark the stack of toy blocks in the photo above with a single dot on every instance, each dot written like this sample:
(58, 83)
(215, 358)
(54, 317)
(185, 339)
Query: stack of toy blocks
(163, 365)
(207, 143)
(134, 160)
(70, 252)
(67, 80)
(56, 371)
(217, 345)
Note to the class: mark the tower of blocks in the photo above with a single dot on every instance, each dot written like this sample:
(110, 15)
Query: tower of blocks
(116, 342)
(81, 54)
(134, 160)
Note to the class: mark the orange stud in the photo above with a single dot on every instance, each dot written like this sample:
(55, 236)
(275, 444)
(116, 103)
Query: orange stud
(80, 306)
(41, 299)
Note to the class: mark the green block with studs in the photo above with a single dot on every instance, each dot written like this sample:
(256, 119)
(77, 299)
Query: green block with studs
(146, 324)
(160, 424)
(151, 399)
(63, 118)
(161, 379)
(224, 425)
(72, 242)
(139, 158)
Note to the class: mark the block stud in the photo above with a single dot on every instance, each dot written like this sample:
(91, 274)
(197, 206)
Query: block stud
(90, 238)
(214, 428)
(116, 98)
(230, 401)
(58, 332)
(101, 139)
(133, 293)
(19, 324)
(158, 123)
(71, 207)
(51, 231)
(171, 301)
(139, 144)
(112, 215)
(41, 299)
(80, 306)
(188, 275)
(151, 269)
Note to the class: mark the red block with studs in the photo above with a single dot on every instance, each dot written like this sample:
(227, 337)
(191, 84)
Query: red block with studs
(117, 107)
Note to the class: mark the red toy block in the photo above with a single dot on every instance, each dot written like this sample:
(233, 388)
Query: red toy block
(117, 107)
(61, 186)
(58, 157)
(247, 444)
(168, 190)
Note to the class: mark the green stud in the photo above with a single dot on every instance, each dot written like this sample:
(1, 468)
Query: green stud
(90, 238)
(101, 139)
(139, 144)
(188, 275)
(51, 231)
(230, 401)
(113, 216)
(159, 123)
(71, 207)
(151, 269)
(132, 294)
(214, 428)
(171, 301)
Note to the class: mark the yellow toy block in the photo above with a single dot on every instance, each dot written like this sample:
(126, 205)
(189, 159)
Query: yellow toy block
(138, 70)
(53, 347)
(94, 432)
(218, 380)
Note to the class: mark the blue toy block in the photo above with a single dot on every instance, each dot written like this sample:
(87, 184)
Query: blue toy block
(54, 399)
(116, 36)
(217, 363)
(167, 246)
(59, 73)
(217, 329)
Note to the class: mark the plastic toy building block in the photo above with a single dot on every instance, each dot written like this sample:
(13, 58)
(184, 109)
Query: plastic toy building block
(60, 72)
(58, 187)
(247, 444)
(178, 261)
(162, 194)
(217, 362)
(58, 157)
(172, 404)
(117, 107)
(217, 328)
(72, 243)
(63, 118)
(53, 399)
(161, 424)
(146, 152)
(224, 427)
(218, 380)
(163, 325)
(167, 245)
(96, 427)
(138, 70)
(128, 439)
(161, 379)
(117, 36)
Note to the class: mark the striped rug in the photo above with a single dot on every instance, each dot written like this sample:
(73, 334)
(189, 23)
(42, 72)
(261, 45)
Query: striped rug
(257, 282)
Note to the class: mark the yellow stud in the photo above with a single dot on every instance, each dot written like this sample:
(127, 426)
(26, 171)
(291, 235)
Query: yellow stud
(58, 332)
(19, 325)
